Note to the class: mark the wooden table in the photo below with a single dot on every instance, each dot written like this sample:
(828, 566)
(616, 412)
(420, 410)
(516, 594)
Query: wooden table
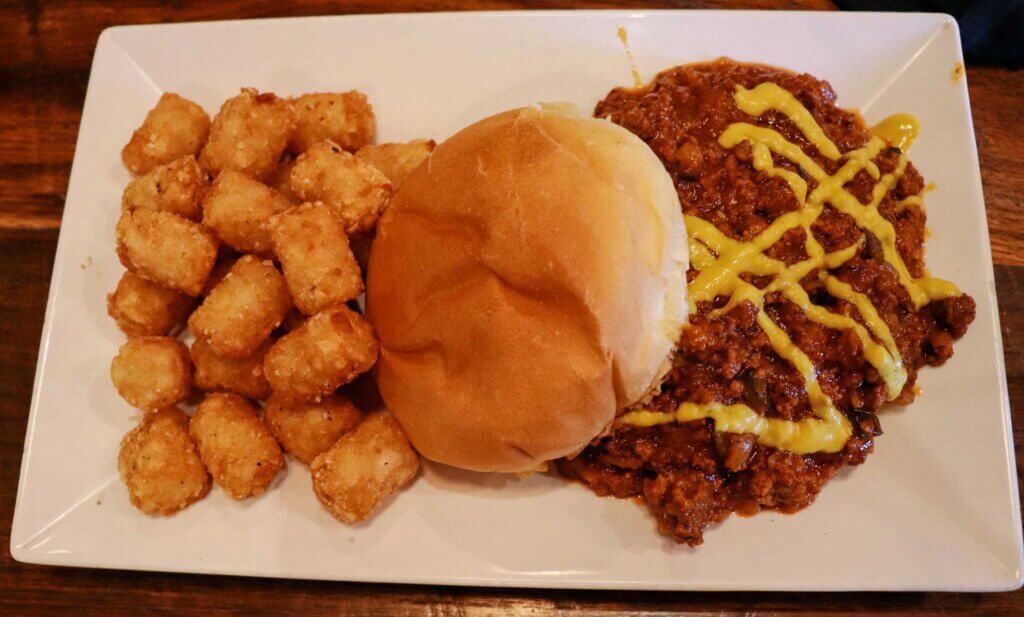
(45, 51)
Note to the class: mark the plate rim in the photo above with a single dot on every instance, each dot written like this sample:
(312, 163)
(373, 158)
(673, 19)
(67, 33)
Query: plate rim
(108, 37)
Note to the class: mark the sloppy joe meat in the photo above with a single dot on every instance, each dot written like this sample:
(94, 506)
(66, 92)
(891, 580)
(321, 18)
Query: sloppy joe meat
(689, 475)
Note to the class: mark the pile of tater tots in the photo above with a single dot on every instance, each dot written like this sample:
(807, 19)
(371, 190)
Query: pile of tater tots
(241, 230)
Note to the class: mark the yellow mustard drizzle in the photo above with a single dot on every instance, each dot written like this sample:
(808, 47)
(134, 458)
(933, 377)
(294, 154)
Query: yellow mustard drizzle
(913, 200)
(624, 37)
(720, 260)
(899, 130)
(771, 96)
(957, 72)
(700, 255)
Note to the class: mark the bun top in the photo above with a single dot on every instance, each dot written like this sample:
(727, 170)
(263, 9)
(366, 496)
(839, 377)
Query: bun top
(527, 282)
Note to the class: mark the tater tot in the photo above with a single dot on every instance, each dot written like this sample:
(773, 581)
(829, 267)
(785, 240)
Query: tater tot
(327, 351)
(151, 372)
(176, 127)
(160, 465)
(240, 313)
(363, 468)
(144, 308)
(397, 161)
(214, 373)
(235, 445)
(248, 134)
(345, 118)
(237, 208)
(318, 265)
(176, 187)
(307, 429)
(355, 190)
(166, 249)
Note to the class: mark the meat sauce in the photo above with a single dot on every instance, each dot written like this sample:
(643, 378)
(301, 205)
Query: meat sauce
(690, 475)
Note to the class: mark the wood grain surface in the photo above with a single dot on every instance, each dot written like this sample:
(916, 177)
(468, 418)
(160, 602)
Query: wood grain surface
(45, 51)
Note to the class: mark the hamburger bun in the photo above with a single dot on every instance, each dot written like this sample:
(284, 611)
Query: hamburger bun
(527, 282)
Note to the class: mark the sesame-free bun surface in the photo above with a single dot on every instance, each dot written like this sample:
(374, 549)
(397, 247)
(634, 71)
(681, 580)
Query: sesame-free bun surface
(527, 283)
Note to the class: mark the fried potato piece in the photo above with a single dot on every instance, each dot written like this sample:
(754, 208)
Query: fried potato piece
(176, 187)
(151, 372)
(235, 445)
(160, 465)
(176, 127)
(397, 161)
(363, 468)
(166, 249)
(214, 373)
(346, 118)
(237, 208)
(248, 134)
(144, 308)
(355, 190)
(327, 351)
(240, 313)
(314, 253)
(307, 429)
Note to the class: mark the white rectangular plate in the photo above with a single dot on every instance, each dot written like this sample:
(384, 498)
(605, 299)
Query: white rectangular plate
(935, 507)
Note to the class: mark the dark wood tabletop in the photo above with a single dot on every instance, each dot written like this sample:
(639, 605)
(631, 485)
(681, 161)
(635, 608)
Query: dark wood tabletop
(45, 51)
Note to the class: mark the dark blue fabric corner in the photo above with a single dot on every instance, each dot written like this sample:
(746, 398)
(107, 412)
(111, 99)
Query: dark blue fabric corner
(992, 31)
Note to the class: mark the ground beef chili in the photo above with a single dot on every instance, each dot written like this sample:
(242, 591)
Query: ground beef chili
(688, 475)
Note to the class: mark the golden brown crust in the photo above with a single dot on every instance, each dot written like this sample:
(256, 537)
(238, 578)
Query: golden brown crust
(241, 312)
(327, 351)
(355, 190)
(249, 134)
(306, 430)
(166, 249)
(397, 161)
(213, 373)
(363, 468)
(174, 128)
(235, 445)
(144, 308)
(345, 118)
(160, 465)
(527, 282)
(152, 372)
(176, 187)
(237, 207)
(315, 257)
